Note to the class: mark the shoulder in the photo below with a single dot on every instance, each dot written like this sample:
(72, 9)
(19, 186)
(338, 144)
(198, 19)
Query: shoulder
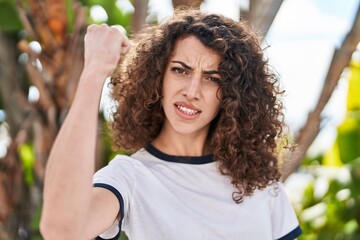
(129, 165)
(118, 167)
(275, 189)
(274, 196)
(137, 158)
(271, 191)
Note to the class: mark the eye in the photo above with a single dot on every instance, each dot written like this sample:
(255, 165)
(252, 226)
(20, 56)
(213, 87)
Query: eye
(179, 70)
(213, 80)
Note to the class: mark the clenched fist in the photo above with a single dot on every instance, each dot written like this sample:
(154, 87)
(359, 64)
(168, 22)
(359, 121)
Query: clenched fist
(103, 47)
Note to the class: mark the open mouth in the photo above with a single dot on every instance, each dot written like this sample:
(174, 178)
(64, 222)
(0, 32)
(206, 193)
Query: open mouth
(186, 110)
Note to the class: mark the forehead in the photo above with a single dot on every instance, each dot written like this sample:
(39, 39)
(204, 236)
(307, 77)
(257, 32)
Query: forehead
(193, 52)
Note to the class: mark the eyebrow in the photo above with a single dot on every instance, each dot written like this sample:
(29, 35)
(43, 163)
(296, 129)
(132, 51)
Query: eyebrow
(190, 68)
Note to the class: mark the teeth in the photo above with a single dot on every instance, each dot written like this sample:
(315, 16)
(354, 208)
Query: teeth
(187, 110)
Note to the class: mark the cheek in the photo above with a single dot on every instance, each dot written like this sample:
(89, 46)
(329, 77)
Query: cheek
(166, 92)
(166, 82)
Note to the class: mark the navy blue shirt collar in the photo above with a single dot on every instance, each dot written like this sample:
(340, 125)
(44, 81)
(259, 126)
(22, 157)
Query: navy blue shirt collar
(178, 159)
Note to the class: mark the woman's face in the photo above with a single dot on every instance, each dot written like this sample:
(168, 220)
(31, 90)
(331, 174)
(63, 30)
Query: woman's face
(191, 94)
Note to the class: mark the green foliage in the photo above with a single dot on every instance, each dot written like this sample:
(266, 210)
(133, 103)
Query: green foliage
(353, 102)
(349, 136)
(35, 224)
(9, 20)
(69, 15)
(313, 160)
(27, 157)
(115, 15)
(336, 215)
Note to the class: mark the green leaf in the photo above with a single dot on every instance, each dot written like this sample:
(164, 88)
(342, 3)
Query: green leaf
(332, 156)
(349, 137)
(309, 198)
(353, 101)
(27, 159)
(70, 15)
(115, 15)
(9, 19)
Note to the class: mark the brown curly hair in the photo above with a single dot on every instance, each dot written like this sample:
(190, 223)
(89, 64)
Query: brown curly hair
(244, 134)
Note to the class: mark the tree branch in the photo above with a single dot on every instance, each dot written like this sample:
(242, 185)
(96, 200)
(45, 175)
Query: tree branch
(310, 130)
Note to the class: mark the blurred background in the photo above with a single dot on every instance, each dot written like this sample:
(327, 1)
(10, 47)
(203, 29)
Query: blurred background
(312, 44)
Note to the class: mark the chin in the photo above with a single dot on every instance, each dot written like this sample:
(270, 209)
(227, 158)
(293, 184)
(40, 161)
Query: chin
(187, 130)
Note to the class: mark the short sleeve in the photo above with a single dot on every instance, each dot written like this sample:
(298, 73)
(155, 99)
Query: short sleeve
(285, 225)
(117, 177)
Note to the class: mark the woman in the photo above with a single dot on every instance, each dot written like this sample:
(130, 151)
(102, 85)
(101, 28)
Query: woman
(198, 105)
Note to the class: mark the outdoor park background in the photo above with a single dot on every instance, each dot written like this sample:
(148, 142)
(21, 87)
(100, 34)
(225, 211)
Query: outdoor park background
(311, 43)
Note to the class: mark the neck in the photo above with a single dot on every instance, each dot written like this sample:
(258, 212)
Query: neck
(174, 143)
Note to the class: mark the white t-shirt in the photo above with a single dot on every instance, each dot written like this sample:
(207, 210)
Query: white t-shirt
(164, 197)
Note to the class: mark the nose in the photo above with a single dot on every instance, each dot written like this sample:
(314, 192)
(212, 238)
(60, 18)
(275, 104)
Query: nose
(193, 88)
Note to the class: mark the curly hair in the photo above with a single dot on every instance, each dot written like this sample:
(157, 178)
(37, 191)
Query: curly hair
(244, 135)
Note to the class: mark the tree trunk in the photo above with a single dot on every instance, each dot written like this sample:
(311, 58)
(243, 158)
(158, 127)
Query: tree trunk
(187, 3)
(140, 14)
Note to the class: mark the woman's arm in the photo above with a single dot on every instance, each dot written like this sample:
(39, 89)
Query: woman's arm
(70, 202)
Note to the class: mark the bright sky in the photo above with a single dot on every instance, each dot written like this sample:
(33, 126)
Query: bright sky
(302, 40)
